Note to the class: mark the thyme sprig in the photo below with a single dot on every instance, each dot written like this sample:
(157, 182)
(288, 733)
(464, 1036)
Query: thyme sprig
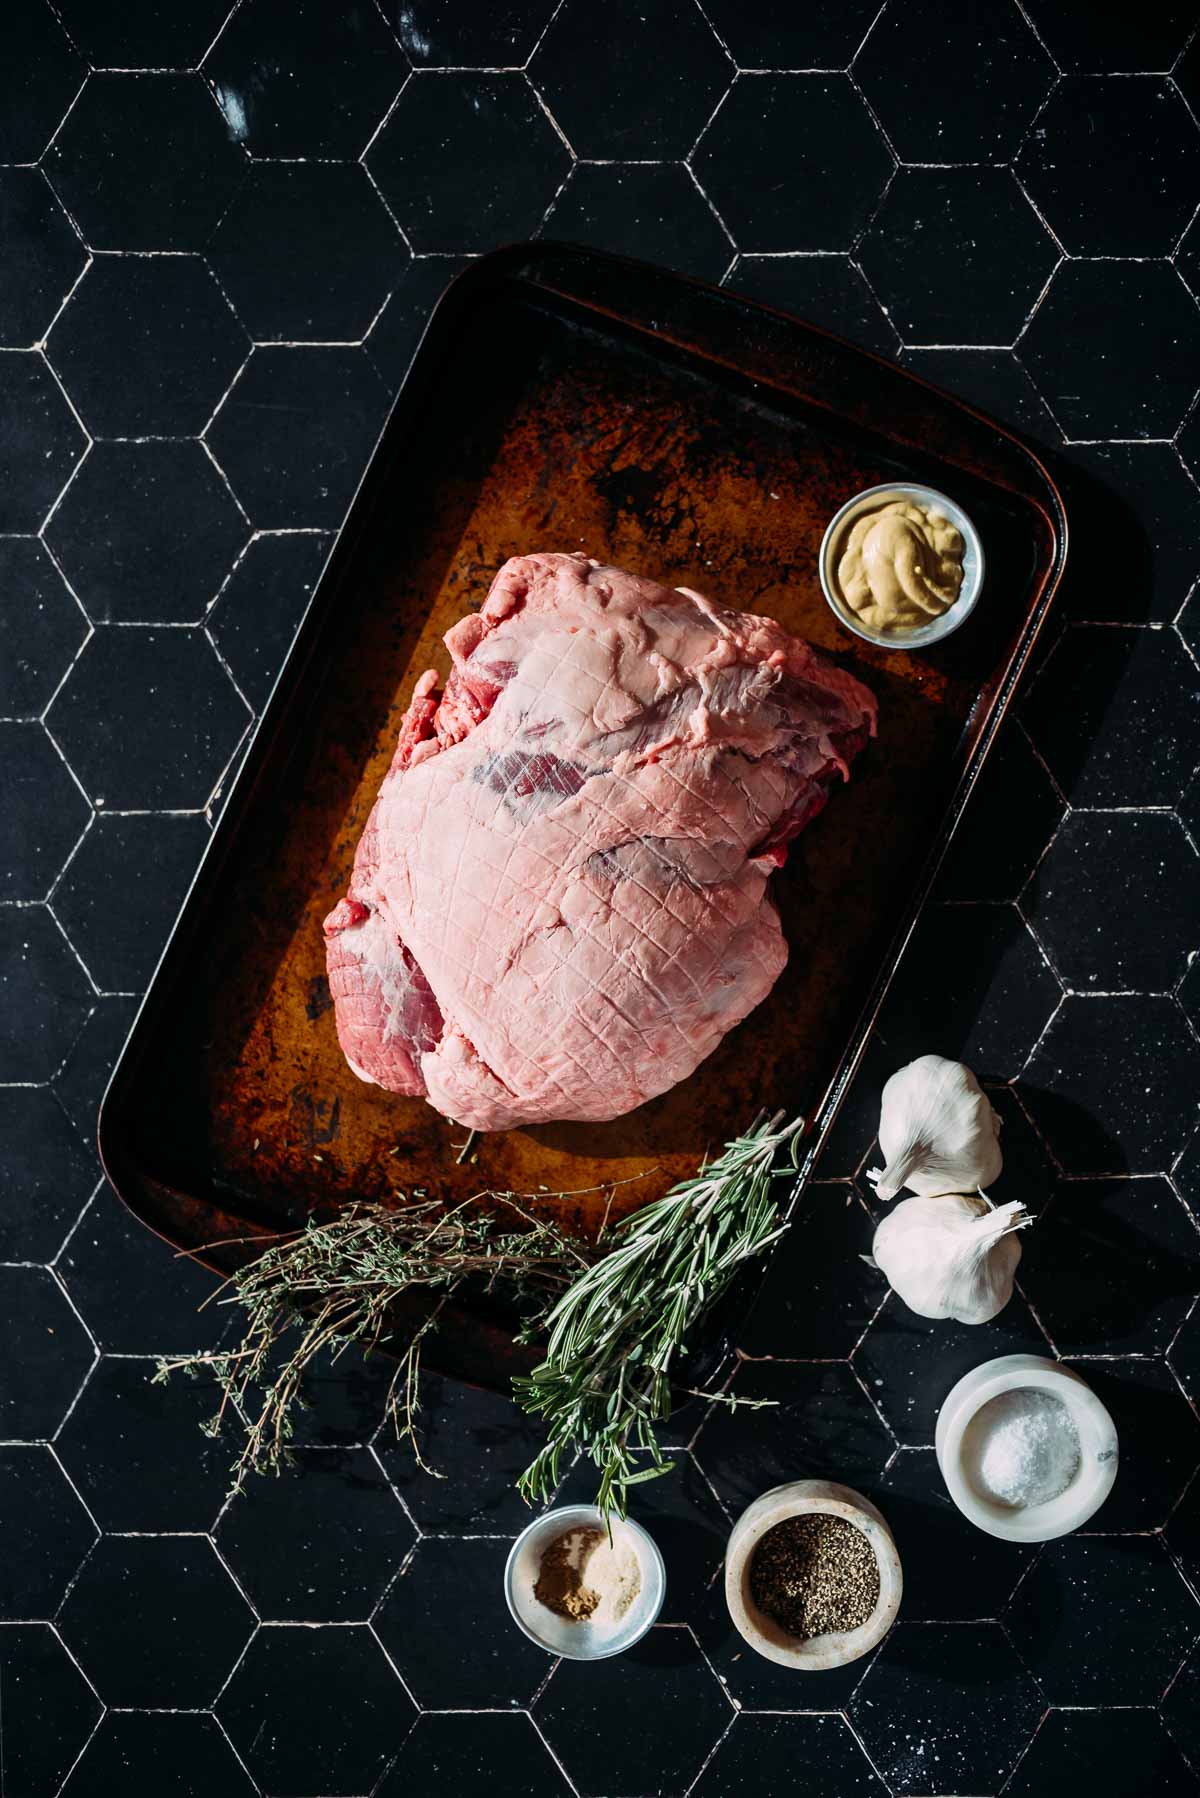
(617, 1332)
(334, 1283)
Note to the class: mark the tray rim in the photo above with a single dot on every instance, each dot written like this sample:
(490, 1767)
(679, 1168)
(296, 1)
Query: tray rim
(516, 261)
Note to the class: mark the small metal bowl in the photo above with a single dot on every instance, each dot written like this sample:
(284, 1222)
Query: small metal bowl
(558, 1635)
(973, 566)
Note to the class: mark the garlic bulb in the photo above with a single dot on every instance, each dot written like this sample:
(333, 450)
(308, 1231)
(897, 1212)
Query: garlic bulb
(953, 1256)
(937, 1131)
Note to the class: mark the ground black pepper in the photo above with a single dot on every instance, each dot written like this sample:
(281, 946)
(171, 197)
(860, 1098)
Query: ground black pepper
(814, 1574)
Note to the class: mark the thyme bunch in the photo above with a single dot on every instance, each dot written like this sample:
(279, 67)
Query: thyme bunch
(616, 1333)
(334, 1283)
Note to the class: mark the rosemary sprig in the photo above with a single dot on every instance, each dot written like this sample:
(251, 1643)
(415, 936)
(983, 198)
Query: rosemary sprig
(334, 1283)
(617, 1331)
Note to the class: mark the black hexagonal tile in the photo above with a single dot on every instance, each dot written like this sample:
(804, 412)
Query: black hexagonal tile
(1184, 1355)
(46, 1354)
(315, 1711)
(1096, 138)
(1159, 1438)
(83, 1076)
(793, 162)
(584, 1710)
(992, 380)
(155, 1622)
(683, 1516)
(118, 899)
(1182, 1534)
(40, 440)
(148, 718)
(41, 627)
(826, 290)
(1116, 714)
(320, 1543)
(48, 1531)
(475, 1755)
(259, 607)
(46, 1172)
(920, 1713)
(446, 34)
(145, 162)
(1116, 901)
(649, 209)
(49, 1709)
(976, 221)
(1139, 517)
(135, 1448)
(1113, 1266)
(307, 252)
(1188, 443)
(1103, 1620)
(973, 985)
(45, 995)
(1093, 40)
(295, 433)
(1188, 625)
(468, 160)
(141, 34)
(168, 1753)
(146, 533)
(834, 1764)
(908, 1363)
(297, 78)
(983, 863)
(818, 1296)
(760, 35)
(1001, 76)
(479, 1663)
(1131, 1746)
(817, 1425)
(1113, 348)
(42, 256)
(161, 316)
(1187, 259)
(953, 1572)
(479, 1442)
(1028, 1173)
(1181, 1714)
(1113, 1084)
(397, 331)
(612, 89)
(139, 1298)
(44, 812)
(30, 110)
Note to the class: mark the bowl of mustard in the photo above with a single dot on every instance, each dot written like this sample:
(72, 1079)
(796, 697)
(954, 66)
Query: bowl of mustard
(901, 565)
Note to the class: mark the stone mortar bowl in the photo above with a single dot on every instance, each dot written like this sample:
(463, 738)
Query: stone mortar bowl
(764, 1635)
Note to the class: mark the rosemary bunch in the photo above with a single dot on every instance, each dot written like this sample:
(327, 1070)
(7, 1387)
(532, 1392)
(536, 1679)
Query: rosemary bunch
(615, 1334)
(334, 1283)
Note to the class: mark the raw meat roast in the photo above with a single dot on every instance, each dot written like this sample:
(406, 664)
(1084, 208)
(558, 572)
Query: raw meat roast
(559, 903)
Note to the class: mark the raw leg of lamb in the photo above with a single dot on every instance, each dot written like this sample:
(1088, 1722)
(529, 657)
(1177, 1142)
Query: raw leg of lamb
(559, 904)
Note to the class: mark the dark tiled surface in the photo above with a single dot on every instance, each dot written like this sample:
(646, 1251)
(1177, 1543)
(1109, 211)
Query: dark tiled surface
(313, 195)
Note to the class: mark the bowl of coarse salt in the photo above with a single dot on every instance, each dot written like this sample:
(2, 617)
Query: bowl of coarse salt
(1026, 1449)
(583, 1588)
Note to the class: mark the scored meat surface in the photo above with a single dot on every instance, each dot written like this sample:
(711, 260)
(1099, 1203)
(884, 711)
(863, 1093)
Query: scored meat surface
(559, 903)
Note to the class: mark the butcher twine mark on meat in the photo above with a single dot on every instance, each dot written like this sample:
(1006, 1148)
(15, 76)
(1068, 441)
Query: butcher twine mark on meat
(559, 904)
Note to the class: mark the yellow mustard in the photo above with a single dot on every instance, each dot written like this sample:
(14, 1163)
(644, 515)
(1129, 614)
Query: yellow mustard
(900, 565)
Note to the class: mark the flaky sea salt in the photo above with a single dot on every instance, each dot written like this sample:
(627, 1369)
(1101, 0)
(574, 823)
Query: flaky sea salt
(1029, 1447)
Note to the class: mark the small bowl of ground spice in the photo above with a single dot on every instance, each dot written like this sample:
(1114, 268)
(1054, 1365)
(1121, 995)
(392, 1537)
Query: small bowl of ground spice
(812, 1577)
(578, 1589)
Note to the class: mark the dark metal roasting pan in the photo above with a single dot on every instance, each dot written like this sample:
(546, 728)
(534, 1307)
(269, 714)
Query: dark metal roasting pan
(564, 399)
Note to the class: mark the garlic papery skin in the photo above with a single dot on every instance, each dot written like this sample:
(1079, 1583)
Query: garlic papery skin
(953, 1256)
(937, 1131)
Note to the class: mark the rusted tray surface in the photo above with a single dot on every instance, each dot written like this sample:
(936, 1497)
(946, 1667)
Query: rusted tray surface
(567, 400)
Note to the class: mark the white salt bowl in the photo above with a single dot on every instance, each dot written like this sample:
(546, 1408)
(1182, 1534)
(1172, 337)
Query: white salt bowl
(957, 1448)
(838, 1647)
(581, 1641)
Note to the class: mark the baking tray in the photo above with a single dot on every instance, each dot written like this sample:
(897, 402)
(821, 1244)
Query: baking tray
(565, 399)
